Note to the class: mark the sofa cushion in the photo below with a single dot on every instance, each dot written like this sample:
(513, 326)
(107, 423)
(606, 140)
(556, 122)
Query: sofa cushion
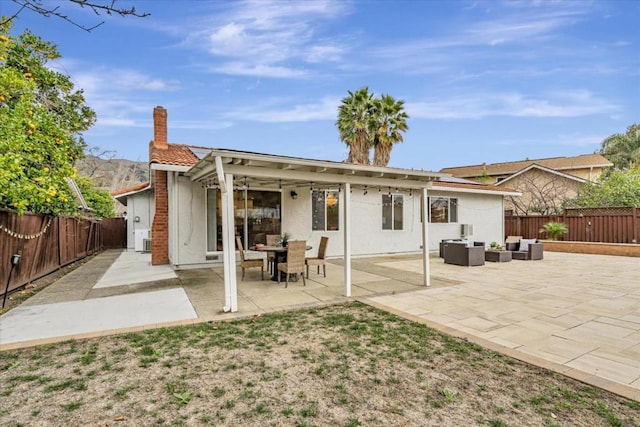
(524, 244)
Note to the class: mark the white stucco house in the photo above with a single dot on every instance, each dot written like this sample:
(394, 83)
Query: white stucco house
(200, 198)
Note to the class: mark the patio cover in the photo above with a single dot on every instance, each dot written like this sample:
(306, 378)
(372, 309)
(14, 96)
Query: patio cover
(227, 169)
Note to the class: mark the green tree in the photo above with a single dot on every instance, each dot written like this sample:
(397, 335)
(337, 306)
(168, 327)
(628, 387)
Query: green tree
(365, 122)
(623, 150)
(354, 123)
(98, 200)
(618, 188)
(389, 121)
(42, 119)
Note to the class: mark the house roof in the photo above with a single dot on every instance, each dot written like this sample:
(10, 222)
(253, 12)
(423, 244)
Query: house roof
(507, 168)
(266, 170)
(121, 194)
(132, 189)
(273, 171)
(174, 154)
(545, 169)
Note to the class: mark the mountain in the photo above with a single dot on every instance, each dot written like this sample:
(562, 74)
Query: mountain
(111, 174)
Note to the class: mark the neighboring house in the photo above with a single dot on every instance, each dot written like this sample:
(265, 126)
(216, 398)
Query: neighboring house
(204, 197)
(545, 184)
(139, 203)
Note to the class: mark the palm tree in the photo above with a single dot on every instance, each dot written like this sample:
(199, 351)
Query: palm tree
(388, 121)
(354, 117)
(623, 150)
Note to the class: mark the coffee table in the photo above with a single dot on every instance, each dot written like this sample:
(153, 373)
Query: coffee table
(497, 256)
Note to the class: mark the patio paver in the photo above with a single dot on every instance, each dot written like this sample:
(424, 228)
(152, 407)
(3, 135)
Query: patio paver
(578, 312)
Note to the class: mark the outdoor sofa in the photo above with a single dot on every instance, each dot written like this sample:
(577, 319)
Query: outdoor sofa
(444, 243)
(462, 254)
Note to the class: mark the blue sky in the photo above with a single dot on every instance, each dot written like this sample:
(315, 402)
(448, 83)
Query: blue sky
(483, 81)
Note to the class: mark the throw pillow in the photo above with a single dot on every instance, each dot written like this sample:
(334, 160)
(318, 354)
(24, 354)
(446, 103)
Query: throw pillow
(524, 244)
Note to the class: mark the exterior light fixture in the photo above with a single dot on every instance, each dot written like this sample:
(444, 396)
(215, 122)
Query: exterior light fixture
(294, 195)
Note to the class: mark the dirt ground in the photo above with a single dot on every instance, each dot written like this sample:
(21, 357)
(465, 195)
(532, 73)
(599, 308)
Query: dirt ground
(342, 365)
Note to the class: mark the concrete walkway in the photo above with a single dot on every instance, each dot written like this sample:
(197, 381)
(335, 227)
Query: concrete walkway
(576, 314)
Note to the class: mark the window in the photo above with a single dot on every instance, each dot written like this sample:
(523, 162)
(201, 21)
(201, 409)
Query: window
(443, 209)
(325, 210)
(392, 211)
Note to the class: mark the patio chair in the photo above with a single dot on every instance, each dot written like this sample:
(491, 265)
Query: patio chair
(249, 263)
(295, 261)
(319, 260)
(272, 240)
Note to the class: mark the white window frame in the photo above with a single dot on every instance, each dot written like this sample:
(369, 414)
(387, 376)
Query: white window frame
(448, 209)
(325, 209)
(393, 201)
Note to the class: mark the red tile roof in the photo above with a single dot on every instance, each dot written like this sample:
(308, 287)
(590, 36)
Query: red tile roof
(175, 154)
(130, 189)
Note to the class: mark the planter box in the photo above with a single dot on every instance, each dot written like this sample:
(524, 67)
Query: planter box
(618, 249)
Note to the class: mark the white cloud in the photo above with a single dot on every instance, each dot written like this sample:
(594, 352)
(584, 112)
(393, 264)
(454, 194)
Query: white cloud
(271, 38)
(258, 70)
(512, 104)
(325, 109)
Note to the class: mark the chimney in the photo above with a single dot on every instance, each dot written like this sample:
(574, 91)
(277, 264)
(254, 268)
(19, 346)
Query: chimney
(160, 128)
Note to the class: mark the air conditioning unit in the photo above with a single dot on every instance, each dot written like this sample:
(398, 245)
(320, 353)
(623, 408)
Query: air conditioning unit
(466, 230)
(139, 237)
(146, 245)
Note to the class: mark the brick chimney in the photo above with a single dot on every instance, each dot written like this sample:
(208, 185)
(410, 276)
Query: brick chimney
(160, 128)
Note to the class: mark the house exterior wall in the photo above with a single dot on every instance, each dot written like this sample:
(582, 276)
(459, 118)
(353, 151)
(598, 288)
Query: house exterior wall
(542, 192)
(138, 205)
(188, 223)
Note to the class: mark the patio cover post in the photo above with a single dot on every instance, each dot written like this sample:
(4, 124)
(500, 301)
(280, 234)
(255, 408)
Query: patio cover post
(425, 237)
(347, 239)
(228, 246)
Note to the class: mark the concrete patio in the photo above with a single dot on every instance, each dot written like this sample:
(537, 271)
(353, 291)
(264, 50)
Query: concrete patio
(575, 314)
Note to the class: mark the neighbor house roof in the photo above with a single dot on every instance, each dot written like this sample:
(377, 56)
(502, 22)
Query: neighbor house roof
(544, 169)
(507, 168)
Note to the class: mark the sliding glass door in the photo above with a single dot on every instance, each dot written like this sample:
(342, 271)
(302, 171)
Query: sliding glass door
(256, 214)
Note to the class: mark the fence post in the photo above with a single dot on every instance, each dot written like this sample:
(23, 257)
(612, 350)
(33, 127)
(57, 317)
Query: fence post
(634, 223)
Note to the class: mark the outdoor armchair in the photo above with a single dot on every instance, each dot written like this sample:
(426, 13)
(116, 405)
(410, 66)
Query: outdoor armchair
(525, 249)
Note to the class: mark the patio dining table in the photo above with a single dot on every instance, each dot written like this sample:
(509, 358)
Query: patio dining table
(280, 255)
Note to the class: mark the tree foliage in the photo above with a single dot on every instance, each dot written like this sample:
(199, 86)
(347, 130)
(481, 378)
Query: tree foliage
(623, 150)
(98, 200)
(618, 188)
(98, 7)
(42, 119)
(365, 122)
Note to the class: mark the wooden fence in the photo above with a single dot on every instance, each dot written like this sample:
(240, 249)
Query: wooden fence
(46, 243)
(606, 225)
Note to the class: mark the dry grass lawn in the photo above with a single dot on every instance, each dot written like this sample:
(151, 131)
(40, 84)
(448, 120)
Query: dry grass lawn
(343, 365)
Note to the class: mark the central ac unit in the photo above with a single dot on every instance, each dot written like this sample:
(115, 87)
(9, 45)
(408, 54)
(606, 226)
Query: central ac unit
(146, 245)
